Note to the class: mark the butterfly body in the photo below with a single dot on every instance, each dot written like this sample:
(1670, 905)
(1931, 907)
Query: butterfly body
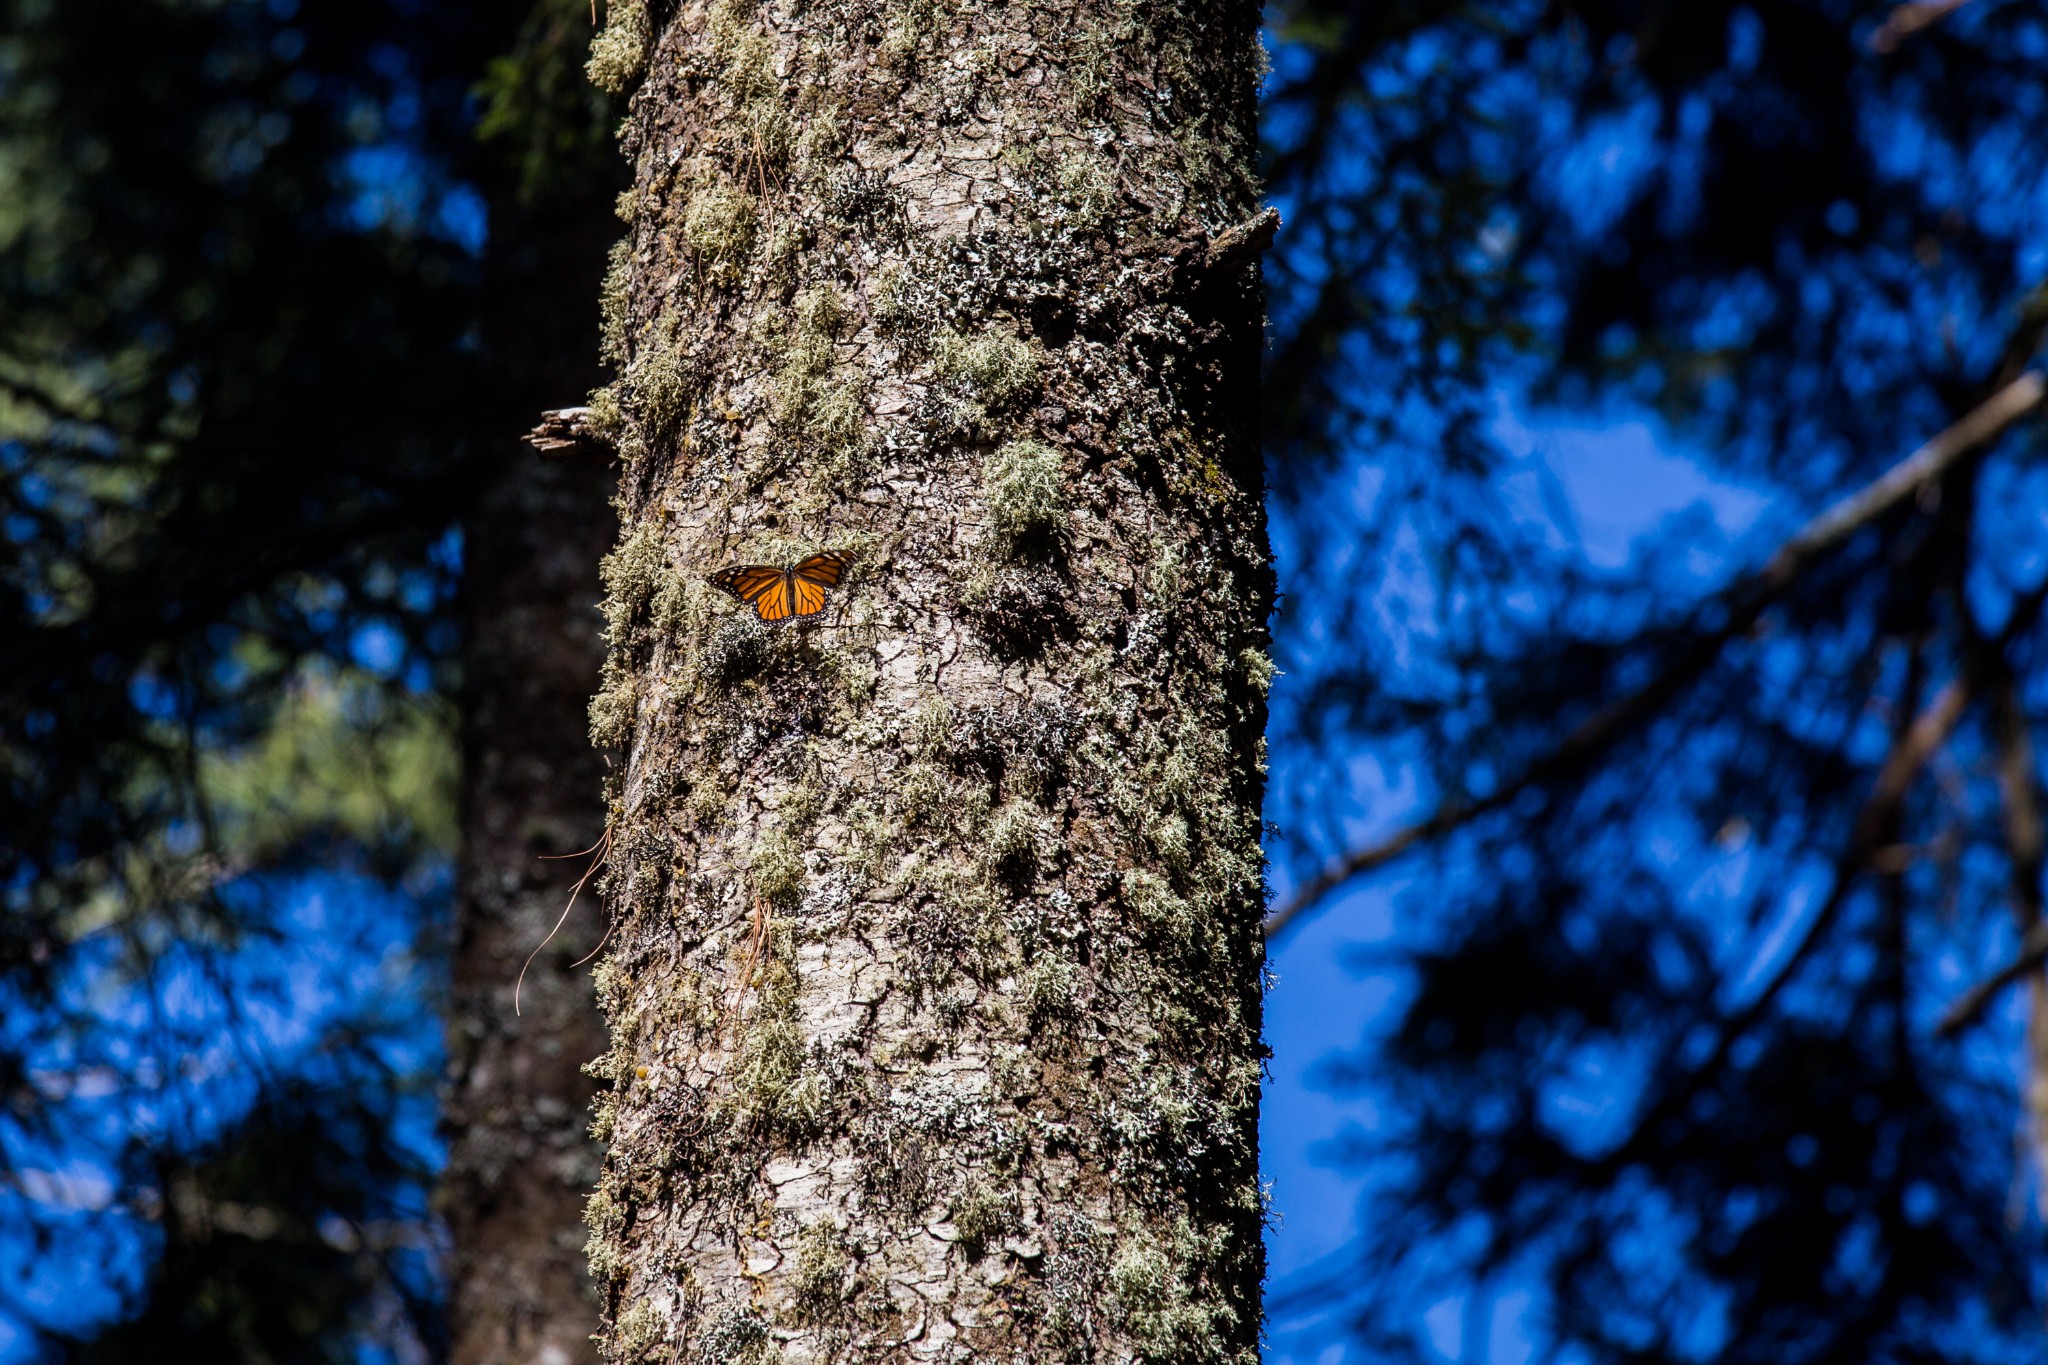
(783, 594)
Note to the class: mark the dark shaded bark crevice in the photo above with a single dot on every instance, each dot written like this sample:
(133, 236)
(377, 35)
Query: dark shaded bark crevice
(517, 1104)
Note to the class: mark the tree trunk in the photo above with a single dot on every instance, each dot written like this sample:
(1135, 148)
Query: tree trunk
(935, 975)
(517, 1110)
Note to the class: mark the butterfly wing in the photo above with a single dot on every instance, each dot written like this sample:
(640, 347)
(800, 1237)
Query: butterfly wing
(810, 598)
(779, 594)
(748, 582)
(824, 570)
(778, 602)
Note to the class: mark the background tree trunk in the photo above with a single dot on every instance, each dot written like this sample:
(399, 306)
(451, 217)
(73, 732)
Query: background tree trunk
(517, 1111)
(936, 977)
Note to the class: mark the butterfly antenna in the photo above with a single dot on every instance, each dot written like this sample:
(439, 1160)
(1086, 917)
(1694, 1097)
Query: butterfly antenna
(602, 848)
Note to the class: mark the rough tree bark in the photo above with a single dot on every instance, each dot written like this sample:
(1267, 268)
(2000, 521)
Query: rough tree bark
(936, 966)
(516, 1111)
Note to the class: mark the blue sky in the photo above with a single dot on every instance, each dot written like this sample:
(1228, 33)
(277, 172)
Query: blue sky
(1595, 487)
(183, 1054)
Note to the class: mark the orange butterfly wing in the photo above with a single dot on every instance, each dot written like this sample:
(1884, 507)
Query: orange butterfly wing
(778, 603)
(779, 594)
(823, 570)
(810, 598)
(748, 582)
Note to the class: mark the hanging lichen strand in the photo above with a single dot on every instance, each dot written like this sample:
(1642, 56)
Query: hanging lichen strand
(935, 976)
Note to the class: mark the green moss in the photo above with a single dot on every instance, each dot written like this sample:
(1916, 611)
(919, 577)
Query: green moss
(637, 1330)
(607, 419)
(616, 705)
(618, 54)
(709, 805)
(744, 58)
(1165, 579)
(817, 1280)
(770, 1063)
(678, 605)
(1169, 835)
(604, 1115)
(661, 383)
(612, 984)
(1011, 844)
(802, 804)
(997, 370)
(1150, 1300)
(806, 348)
(910, 23)
(819, 313)
(1258, 669)
(615, 305)
(718, 225)
(973, 801)
(770, 135)
(1026, 491)
(1049, 991)
(873, 841)
(827, 411)
(1091, 72)
(733, 1336)
(1086, 185)
(930, 730)
(605, 1219)
(823, 141)
(920, 795)
(1155, 905)
(778, 871)
(630, 574)
(855, 674)
(983, 1215)
(893, 304)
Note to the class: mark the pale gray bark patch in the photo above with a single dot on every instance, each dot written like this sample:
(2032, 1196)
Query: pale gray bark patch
(936, 976)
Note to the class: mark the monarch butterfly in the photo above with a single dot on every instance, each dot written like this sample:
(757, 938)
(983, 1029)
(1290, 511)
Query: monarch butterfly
(780, 594)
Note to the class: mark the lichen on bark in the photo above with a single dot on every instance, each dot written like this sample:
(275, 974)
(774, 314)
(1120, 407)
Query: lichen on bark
(936, 970)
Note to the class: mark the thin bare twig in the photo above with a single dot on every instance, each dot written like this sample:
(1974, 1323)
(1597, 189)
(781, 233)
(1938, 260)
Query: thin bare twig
(757, 939)
(1740, 605)
(2021, 820)
(1244, 242)
(567, 434)
(603, 849)
(1928, 732)
(1908, 19)
(1973, 1002)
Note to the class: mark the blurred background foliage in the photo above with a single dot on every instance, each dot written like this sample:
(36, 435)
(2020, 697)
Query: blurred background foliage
(1648, 1067)
(245, 260)
(1653, 1070)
